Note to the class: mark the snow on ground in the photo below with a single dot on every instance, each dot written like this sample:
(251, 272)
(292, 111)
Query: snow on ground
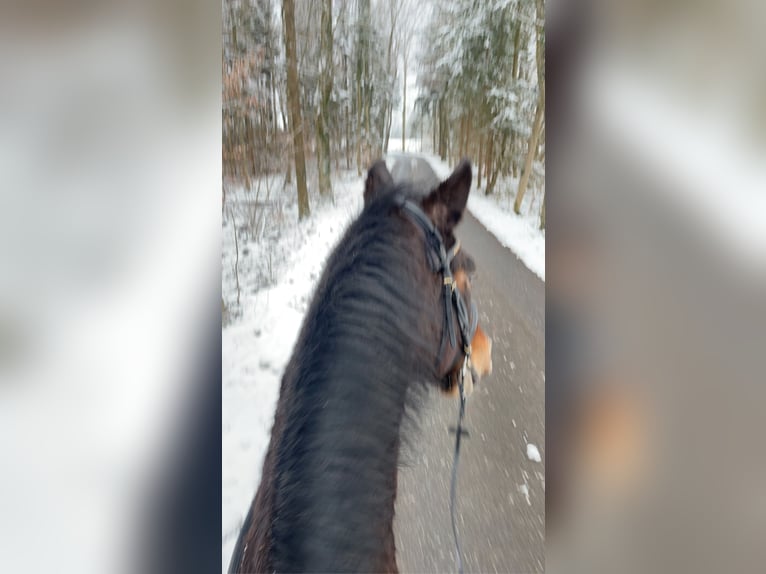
(257, 344)
(519, 233)
(524, 490)
(533, 453)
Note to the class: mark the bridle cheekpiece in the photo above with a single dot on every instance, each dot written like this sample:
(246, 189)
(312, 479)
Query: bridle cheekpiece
(440, 259)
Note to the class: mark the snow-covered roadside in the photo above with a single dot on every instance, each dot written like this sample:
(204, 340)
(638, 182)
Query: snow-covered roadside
(257, 346)
(519, 233)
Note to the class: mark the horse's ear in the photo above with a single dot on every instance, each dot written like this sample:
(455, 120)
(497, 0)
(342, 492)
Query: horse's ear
(447, 202)
(377, 178)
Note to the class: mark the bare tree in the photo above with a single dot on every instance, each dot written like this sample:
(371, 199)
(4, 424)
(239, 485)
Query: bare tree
(293, 97)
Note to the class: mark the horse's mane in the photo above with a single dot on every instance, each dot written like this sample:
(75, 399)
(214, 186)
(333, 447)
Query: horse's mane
(365, 346)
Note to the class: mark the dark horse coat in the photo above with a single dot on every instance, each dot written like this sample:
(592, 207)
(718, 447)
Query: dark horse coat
(368, 343)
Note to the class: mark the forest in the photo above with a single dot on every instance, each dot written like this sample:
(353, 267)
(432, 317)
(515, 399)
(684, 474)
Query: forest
(314, 87)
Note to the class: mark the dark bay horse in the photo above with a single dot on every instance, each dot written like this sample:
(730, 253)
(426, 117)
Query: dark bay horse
(371, 342)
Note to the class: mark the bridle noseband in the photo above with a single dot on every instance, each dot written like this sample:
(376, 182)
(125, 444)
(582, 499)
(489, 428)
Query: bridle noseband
(440, 259)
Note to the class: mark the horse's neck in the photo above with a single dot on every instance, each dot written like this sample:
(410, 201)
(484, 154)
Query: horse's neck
(334, 454)
(336, 459)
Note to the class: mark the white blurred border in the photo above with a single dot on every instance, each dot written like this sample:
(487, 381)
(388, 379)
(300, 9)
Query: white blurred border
(110, 178)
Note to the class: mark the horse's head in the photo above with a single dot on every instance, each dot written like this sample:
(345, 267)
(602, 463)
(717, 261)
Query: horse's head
(436, 213)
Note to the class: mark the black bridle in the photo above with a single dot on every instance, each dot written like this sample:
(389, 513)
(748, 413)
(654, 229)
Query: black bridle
(440, 259)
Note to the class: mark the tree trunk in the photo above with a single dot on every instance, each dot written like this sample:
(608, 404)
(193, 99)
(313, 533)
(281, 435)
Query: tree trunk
(293, 96)
(348, 135)
(422, 121)
(358, 126)
(488, 163)
(468, 133)
(516, 46)
(542, 213)
(290, 164)
(388, 108)
(236, 248)
(501, 157)
(323, 136)
(531, 150)
(250, 147)
(540, 112)
(514, 163)
(367, 126)
(434, 129)
(404, 103)
(478, 163)
(492, 179)
(348, 113)
(443, 129)
(274, 112)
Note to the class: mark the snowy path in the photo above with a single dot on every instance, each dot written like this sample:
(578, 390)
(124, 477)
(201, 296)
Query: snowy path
(501, 492)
